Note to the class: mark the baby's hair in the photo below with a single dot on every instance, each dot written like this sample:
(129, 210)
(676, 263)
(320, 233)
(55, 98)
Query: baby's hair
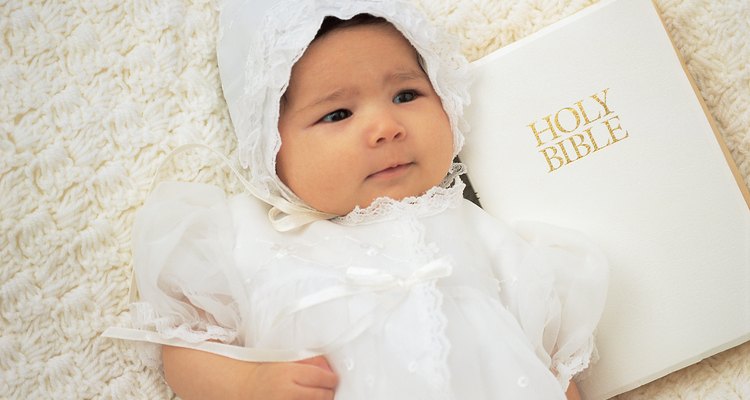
(331, 24)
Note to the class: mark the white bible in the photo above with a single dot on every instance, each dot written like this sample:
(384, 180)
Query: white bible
(594, 124)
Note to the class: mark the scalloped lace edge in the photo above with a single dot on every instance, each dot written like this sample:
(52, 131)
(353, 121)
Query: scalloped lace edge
(439, 198)
(145, 317)
(579, 361)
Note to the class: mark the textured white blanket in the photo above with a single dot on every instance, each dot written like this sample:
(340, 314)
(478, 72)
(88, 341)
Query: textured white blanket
(95, 93)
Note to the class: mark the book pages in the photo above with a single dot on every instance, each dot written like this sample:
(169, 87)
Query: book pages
(593, 124)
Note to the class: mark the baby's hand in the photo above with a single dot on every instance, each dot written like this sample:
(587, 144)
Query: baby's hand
(310, 379)
(319, 361)
(195, 374)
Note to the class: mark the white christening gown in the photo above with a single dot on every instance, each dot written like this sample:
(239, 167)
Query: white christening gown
(424, 298)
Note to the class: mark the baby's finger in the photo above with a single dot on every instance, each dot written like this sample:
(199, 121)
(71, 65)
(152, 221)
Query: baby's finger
(315, 377)
(319, 361)
(316, 394)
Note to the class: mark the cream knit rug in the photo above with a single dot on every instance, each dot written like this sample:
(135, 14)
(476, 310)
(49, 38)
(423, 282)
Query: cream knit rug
(94, 93)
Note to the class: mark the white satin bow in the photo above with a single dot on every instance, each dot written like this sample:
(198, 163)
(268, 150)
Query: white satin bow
(375, 278)
(363, 280)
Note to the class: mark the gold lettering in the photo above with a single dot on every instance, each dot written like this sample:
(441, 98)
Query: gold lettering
(537, 134)
(616, 128)
(550, 157)
(585, 116)
(575, 115)
(561, 145)
(581, 143)
(577, 131)
(603, 103)
(593, 140)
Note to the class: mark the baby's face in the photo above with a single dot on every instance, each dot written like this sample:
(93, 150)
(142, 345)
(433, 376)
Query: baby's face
(361, 121)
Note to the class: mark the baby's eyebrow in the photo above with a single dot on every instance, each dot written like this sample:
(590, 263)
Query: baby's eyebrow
(397, 76)
(328, 97)
(404, 75)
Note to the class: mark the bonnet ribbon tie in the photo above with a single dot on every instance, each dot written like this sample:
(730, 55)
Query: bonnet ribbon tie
(284, 215)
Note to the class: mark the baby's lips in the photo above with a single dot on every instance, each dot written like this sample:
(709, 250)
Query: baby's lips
(390, 167)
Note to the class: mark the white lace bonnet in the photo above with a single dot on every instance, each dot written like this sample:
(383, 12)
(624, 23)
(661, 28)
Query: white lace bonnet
(259, 42)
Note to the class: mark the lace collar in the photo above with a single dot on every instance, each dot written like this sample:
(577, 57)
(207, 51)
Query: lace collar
(446, 195)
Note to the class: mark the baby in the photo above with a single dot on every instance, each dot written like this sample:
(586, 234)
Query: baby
(372, 270)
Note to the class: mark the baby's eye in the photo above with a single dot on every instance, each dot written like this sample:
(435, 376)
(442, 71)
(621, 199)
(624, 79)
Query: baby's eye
(336, 116)
(405, 96)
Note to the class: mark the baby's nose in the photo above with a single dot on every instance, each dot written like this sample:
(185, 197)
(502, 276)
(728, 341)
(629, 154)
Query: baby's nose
(386, 128)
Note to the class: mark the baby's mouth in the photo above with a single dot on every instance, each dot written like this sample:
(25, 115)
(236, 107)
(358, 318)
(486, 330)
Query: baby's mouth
(391, 172)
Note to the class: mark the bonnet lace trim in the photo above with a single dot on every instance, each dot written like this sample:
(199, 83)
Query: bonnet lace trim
(446, 195)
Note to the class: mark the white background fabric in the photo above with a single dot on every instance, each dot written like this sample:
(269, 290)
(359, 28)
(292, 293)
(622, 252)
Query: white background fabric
(93, 94)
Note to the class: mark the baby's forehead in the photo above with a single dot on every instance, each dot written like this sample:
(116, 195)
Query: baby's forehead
(380, 49)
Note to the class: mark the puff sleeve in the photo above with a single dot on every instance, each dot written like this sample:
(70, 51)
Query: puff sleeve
(183, 241)
(554, 281)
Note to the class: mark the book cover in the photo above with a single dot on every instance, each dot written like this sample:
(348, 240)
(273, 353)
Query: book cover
(594, 124)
